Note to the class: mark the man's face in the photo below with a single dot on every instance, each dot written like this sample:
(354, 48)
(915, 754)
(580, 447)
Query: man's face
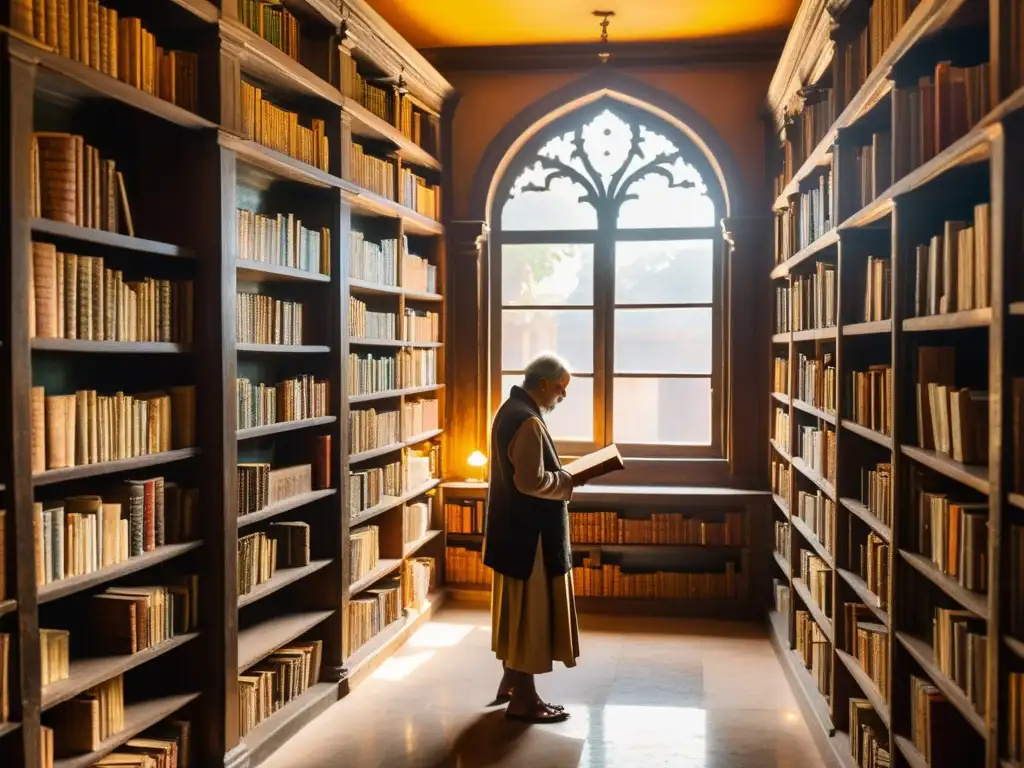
(553, 392)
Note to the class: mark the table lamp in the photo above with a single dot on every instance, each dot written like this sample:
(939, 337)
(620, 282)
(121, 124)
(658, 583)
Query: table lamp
(477, 461)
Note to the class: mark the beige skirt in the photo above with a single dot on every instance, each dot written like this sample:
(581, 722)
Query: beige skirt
(533, 622)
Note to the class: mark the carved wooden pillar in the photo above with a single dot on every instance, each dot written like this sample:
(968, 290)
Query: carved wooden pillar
(747, 343)
(468, 343)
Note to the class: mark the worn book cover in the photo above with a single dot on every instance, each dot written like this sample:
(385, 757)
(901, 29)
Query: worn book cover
(595, 464)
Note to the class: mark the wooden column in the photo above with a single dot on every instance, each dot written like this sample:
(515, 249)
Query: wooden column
(745, 354)
(468, 343)
(17, 88)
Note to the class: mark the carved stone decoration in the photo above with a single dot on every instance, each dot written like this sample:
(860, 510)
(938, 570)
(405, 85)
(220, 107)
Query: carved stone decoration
(604, 158)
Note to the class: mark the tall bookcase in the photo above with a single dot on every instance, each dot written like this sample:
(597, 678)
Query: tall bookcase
(232, 197)
(911, 133)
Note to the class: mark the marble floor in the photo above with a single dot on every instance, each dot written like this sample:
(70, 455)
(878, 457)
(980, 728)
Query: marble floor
(647, 693)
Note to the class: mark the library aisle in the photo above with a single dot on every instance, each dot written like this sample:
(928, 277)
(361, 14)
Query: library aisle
(646, 692)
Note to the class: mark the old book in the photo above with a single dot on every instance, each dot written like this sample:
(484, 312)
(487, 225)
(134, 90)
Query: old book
(125, 209)
(5, 672)
(322, 463)
(595, 464)
(44, 289)
(57, 176)
(37, 401)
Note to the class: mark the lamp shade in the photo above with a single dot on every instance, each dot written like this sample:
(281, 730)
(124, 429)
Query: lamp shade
(477, 459)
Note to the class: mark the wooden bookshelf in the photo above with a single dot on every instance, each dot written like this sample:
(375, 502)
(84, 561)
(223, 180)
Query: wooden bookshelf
(750, 554)
(189, 166)
(888, 202)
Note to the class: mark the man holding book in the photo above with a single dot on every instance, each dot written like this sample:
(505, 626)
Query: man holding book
(526, 540)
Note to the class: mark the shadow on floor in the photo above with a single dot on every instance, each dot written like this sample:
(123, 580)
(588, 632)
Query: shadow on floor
(491, 740)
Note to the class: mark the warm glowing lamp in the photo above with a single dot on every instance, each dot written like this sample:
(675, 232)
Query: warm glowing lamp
(477, 461)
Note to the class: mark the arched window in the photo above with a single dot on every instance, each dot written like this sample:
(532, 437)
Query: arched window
(605, 237)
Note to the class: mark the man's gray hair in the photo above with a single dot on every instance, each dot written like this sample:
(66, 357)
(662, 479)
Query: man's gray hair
(544, 366)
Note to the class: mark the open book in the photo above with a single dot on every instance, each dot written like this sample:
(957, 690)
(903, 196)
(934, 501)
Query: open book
(595, 464)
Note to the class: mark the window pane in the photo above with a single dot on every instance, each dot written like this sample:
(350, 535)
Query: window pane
(664, 272)
(649, 411)
(525, 333)
(659, 205)
(573, 418)
(663, 340)
(547, 274)
(538, 201)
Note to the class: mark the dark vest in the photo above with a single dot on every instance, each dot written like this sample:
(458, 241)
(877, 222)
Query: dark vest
(515, 520)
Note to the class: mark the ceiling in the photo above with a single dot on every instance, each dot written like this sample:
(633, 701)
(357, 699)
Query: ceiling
(459, 23)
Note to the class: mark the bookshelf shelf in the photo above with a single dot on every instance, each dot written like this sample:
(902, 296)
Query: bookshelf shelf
(860, 510)
(258, 641)
(281, 579)
(811, 539)
(392, 393)
(824, 622)
(782, 562)
(287, 505)
(869, 598)
(815, 334)
(781, 503)
(868, 434)
(972, 601)
(412, 547)
(802, 467)
(64, 78)
(110, 347)
(423, 296)
(784, 399)
(371, 204)
(9, 728)
(283, 349)
(390, 503)
(56, 590)
(280, 165)
(800, 405)
(373, 453)
(71, 233)
(290, 718)
(258, 272)
(363, 342)
(276, 68)
(51, 476)
(872, 213)
(781, 338)
(384, 568)
(365, 288)
(8, 606)
(780, 450)
(1014, 645)
(423, 437)
(819, 704)
(951, 321)
(840, 744)
(867, 685)
(922, 653)
(1016, 500)
(86, 673)
(1017, 308)
(201, 9)
(914, 758)
(137, 718)
(868, 329)
(367, 124)
(975, 477)
(284, 426)
(828, 240)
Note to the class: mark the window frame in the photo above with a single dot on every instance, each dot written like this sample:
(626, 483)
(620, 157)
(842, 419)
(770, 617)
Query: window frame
(603, 239)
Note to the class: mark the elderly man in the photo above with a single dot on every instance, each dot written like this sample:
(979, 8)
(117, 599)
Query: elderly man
(526, 543)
